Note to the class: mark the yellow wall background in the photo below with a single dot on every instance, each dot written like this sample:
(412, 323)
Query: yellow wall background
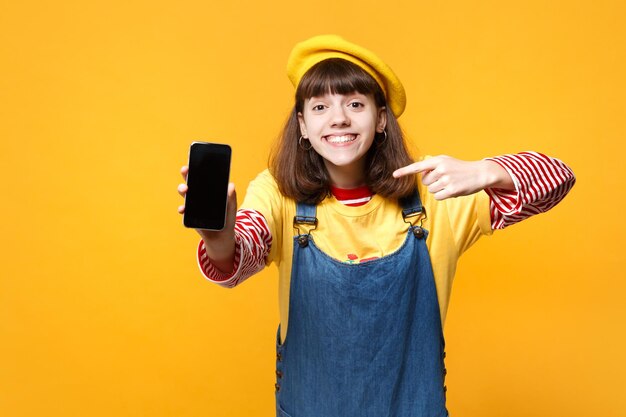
(102, 309)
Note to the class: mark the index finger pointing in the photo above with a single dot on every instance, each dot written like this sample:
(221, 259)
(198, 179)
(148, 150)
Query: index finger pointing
(414, 168)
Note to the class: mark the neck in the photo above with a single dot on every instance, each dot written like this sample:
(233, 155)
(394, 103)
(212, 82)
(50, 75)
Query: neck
(347, 177)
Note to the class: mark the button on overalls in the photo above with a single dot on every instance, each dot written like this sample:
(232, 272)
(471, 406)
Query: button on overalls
(364, 340)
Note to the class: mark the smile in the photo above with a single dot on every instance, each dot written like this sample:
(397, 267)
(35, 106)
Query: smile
(340, 139)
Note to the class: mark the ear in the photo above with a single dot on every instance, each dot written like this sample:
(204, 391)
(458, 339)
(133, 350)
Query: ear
(302, 125)
(381, 121)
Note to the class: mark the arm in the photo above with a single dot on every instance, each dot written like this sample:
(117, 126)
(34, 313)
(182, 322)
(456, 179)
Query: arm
(219, 245)
(519, 186)
(252, 246)
(540, 183)
(229, 256)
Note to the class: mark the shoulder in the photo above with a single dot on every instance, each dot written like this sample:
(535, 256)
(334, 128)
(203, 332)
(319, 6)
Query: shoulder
(265, 178)
(264, 186)
(263, 195)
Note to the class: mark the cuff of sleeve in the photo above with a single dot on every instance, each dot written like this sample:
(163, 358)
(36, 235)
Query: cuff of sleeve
(213, 274)
(507, 202)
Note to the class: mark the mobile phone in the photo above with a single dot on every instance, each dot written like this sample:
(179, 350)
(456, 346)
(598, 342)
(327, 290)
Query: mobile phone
(207, 182)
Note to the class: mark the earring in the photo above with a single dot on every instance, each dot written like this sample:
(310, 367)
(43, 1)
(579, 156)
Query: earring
(301, 146)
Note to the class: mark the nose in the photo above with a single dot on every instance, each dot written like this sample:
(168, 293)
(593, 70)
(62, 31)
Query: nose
(339, 116)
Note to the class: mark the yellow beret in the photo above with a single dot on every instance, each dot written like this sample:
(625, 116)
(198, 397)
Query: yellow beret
(308, 53)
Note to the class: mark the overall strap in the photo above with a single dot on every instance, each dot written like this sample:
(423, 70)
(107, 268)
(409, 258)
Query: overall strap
(305, 213)
(411, 205)
(305, 220)
(412, 211)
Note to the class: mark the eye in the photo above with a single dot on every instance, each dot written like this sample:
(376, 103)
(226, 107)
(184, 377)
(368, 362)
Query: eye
(318, 107)
(356, 104)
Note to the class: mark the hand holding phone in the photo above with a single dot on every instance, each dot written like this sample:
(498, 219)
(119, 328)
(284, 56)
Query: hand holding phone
(219, 244)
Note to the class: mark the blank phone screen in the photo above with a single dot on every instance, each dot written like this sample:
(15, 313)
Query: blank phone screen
(207, 181)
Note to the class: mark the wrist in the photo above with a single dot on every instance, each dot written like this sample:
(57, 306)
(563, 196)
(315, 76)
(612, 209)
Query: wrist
(496, 176)
(220, 249)
(222, 258)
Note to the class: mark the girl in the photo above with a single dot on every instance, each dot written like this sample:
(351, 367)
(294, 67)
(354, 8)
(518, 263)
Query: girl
(366, 253)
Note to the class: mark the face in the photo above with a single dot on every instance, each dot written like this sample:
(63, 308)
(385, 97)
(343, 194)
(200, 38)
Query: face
(341, 128)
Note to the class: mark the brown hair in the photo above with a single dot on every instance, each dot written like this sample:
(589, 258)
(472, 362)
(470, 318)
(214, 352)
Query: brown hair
(302, 175)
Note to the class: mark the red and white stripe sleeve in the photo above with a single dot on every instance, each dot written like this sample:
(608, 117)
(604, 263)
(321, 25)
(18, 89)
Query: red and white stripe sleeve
(253, 241)
(541, 182)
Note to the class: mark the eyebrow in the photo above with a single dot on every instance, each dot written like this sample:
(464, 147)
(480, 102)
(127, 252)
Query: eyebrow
(352, 94)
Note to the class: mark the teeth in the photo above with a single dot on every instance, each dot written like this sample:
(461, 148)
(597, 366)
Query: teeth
(341, 139)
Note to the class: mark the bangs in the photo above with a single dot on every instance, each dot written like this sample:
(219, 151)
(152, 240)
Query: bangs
(337, 76)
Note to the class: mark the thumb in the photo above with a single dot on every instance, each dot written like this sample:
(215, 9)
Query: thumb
(231, 203)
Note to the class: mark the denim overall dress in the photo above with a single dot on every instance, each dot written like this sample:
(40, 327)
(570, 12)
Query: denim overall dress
(364, 340)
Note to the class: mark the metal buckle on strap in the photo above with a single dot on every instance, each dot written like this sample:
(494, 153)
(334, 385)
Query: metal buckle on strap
(411, 217)
(310, 224)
